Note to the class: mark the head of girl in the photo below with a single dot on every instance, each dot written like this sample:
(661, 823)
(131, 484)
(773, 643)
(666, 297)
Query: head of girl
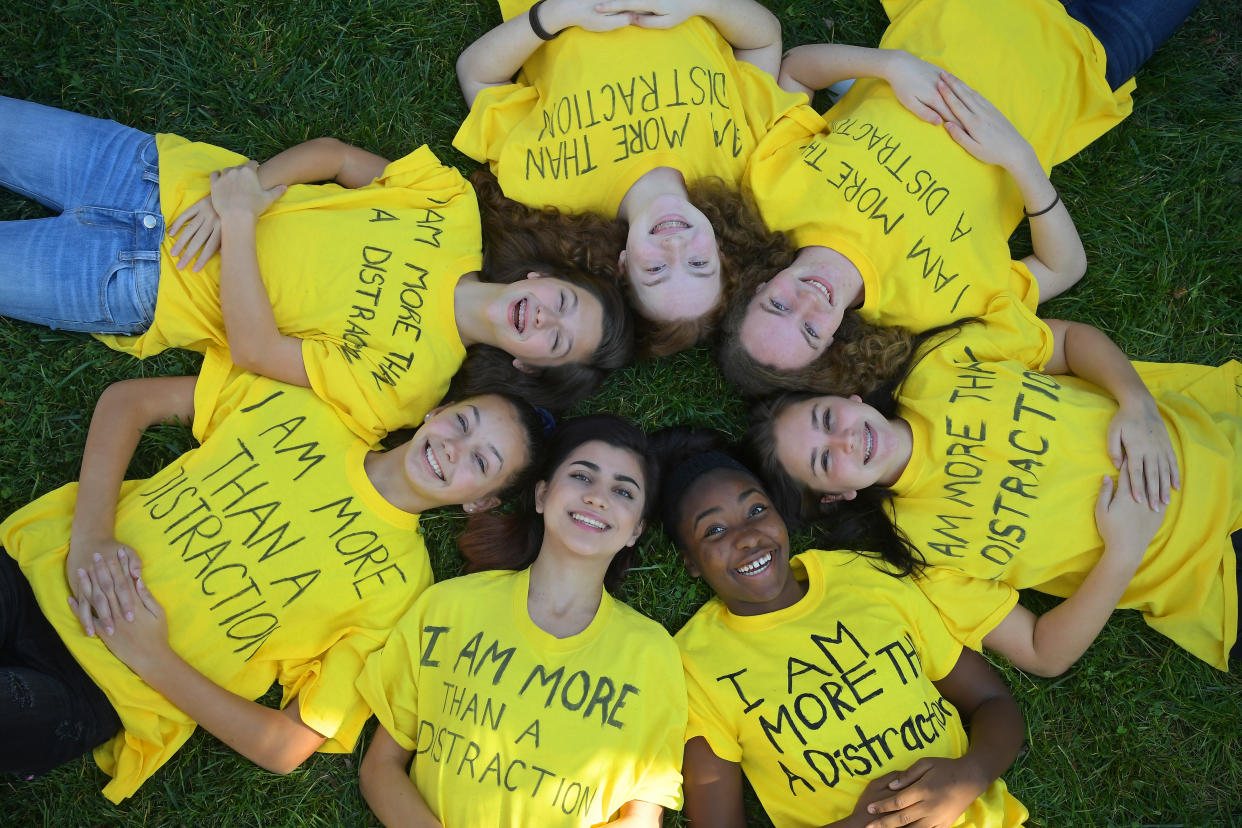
(592, 492)
(563, 319)
(723, 522)
(682, 261)
(476, 452)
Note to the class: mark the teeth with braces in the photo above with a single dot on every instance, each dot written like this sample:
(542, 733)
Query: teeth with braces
(670, 223)
(755, 566)
(870, 437)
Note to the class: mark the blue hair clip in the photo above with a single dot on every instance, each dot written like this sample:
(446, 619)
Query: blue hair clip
(549, 422)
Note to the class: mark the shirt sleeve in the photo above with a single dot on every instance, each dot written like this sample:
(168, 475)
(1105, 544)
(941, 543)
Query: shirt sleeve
(660, 783)
(422, 170)
(971, 607)
(705, 719)
(389, 683)
(496, 112)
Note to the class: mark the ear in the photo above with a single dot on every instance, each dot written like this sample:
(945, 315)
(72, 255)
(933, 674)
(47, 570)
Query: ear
(621, 261)
(638, 531)
(833, 497)
(482, 504)
(433, 412)
(855, 397)
(760, 287)
(541, 495)
(692, 569)
(534, 274)
(524, 368)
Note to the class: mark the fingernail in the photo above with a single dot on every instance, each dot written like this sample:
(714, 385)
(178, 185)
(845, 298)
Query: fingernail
(129, 616)
(871, 809)
(81, 573)
(120, 553)
(97, 557)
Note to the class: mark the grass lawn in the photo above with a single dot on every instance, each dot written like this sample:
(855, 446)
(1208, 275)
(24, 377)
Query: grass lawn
(1138, 733)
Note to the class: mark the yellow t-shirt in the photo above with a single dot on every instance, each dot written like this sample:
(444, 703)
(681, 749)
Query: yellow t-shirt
(364, 277)
(817, 699)
(274, 557)
(512, 726)
(927, 224)
(1000, 491)
(591, 112)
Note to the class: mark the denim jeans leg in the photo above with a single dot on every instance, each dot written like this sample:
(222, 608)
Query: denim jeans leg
(1130, 30)
(95, 267)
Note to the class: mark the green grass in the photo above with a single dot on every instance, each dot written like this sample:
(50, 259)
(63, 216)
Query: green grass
(1138, 733)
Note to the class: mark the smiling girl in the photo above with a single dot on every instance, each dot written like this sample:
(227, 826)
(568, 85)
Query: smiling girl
(281, 549)
(367, 290)
(989, 470)
(901, 201)
(609, 114)
(524, 693)
(834, 687)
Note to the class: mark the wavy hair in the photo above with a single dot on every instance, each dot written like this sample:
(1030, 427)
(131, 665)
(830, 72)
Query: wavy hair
(864, 523)
(745, 245)
(513, 541)
(578, 249)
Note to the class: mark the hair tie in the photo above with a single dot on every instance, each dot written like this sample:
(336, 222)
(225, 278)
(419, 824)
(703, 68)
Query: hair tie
(549, 422)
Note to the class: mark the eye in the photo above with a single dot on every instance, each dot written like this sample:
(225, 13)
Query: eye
(698, 263)
(713, 530)
(756, 510)
(478, 458)
(823, 461)
(462, 424)
(623, 492)
(564, 302)
(556, 343)
(580, 476)
(655, 269)
(810, 331)
(778, 305)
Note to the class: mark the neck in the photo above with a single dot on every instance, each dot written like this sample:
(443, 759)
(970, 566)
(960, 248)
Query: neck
(565, 590)
(470, 300)
(791, 593)
(386, 471)
(650, 186)
(905, 450)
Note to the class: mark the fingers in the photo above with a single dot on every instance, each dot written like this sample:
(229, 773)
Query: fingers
(1138, 482)
(927, 113)
(1105, 498)
(81, 606)
(209, 249)
(148, 600)
(102, 584)
(1114, 444)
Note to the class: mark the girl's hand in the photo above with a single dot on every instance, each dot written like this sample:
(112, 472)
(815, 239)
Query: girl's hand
(79, 569)
(589, 15)
(139, 638)
(1125, 523)
(201, 224)
(1138, 435)
(931, 792)
(915, 82)
(237, 190)
(979, 127)
(652, 14)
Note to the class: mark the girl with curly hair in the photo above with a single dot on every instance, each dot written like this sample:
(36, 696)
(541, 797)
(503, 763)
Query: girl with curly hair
(367, 290)
(894, 223)
(612, 115)
(580, 704)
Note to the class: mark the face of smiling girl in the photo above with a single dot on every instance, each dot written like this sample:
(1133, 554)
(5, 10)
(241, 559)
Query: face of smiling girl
(466, 451)
(836, 446)
(671, 261)
(592, 505)
(735, 540)
(544, 321)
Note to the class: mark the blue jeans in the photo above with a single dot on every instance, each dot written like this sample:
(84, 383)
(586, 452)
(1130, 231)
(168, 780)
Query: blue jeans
(96, 266)
(1131, 30)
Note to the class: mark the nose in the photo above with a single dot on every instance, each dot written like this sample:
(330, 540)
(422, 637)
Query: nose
(449, 448)
(843, 440)
(595, 498)
(748, 538)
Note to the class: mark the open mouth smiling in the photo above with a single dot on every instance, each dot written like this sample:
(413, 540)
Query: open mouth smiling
(669, 225)
(822, 287)
(517, 315)
(432, 464)
(869, 443)
(590, 521)
(756, 566)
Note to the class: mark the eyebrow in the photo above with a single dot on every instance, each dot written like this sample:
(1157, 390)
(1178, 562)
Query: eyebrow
(500, 460)
(624, 478)
(704, 514)
(478, 418)
(815, 427)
